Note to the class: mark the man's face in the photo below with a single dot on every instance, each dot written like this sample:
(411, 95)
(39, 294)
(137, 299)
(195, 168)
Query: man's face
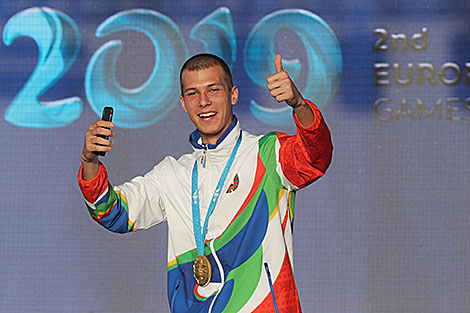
(208, 101)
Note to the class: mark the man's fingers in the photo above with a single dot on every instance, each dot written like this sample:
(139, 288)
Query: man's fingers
(278, 63)
(104, 132)
(98, 144)
(101, 128)
(101, 124)
(278, 79)
(97, 140)
(281, 94)
(104, 124)
(95, 137)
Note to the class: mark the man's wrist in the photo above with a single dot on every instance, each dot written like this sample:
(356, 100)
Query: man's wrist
(300, 103)
(304, 114)
(85, 161)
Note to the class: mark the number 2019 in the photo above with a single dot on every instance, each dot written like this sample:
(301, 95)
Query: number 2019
(58, 39)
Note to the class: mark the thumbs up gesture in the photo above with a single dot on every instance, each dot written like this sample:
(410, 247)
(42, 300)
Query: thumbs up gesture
(282, 87)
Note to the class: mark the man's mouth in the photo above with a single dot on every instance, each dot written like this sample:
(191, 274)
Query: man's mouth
(207, 115)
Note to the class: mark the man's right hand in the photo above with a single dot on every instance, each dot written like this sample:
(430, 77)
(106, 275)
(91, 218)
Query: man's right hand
(94, 143)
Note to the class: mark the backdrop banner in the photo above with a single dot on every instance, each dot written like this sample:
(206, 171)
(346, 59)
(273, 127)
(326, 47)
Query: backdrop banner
(386, 229)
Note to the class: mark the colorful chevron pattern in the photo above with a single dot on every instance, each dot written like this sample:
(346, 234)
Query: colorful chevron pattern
(239, 248)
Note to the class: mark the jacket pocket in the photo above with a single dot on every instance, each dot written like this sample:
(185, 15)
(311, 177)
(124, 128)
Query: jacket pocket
(175, 293)
(268, 274)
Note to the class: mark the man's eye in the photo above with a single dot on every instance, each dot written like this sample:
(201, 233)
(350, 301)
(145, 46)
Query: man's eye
(189, 94)
(214, 89)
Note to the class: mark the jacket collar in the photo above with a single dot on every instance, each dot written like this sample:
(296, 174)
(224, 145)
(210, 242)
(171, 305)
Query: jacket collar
(196, 141)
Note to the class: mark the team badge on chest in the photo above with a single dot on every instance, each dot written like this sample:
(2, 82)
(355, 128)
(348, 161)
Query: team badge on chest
(234, 185)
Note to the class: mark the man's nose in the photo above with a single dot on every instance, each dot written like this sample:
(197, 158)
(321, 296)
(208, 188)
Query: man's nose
(204, 100)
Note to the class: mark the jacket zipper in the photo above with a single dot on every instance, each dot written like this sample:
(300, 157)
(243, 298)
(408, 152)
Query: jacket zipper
(204, 156)
(268, 273)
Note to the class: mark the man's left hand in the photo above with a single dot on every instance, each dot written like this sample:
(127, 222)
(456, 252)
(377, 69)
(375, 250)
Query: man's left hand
(282, 88)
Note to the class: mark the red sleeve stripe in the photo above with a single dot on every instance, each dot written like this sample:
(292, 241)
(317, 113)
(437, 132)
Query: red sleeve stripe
(93, 189)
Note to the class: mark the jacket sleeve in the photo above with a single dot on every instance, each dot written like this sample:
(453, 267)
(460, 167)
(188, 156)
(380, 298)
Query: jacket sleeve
(305, 157)
(126, 208)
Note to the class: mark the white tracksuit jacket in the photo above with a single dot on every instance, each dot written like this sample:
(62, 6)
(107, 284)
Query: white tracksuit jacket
(249, 235)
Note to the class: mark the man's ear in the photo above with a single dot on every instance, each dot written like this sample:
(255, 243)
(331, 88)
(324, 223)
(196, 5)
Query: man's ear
(183, 104)
(234, 95)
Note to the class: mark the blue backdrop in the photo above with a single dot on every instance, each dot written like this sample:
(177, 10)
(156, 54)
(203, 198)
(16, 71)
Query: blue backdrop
(386, 230)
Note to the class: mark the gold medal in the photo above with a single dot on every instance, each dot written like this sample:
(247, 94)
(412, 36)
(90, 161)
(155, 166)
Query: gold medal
(202, 270)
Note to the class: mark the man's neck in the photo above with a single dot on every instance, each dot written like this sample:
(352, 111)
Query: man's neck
(212, 139)
(209, 141)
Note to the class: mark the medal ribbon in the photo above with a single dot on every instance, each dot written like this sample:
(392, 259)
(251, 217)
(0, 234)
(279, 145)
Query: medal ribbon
(200, 238)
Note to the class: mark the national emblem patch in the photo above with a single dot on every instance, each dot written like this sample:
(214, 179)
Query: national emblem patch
(234, 185)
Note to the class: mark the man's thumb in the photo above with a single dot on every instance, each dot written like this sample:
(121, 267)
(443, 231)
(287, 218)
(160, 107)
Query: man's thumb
(278, 63)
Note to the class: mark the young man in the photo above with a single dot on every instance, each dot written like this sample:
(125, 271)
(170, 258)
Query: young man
(228, 205)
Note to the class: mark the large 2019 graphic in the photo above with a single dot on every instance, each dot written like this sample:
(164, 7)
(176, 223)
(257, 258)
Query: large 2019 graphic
(58, 39)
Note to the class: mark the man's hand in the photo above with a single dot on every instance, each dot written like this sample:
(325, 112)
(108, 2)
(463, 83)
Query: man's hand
(282, 88)
(94, 142)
